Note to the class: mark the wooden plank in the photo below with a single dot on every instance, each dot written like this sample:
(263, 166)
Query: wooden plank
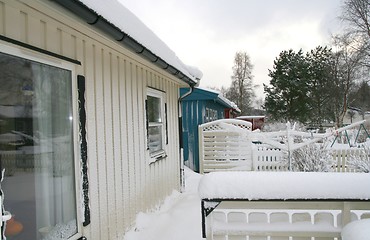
(35, 36)
(142, 164)
(130, 132)
(220, 134)
(100, 138)
(88, 59)
(116, 144)
(11, 21)
(2, 18)
(53, 38)
(124, 138)
(109, 156)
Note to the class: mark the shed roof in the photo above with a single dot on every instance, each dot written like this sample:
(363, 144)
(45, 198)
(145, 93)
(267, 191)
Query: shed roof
(200, 93)
(116, 20)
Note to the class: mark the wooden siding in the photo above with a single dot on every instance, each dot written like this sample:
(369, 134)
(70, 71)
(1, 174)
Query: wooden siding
(122, 182)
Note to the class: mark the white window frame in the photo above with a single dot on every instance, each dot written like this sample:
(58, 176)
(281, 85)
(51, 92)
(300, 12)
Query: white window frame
(52, 61)
(160, 154)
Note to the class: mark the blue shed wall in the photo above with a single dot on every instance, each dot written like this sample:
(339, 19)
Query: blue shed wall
(194, 114)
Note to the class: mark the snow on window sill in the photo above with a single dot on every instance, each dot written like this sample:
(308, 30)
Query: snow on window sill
(157, 156)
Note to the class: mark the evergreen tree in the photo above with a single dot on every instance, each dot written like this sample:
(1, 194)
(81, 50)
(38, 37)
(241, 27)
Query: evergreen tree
(286, 96)
(320, 74)
(360, 97)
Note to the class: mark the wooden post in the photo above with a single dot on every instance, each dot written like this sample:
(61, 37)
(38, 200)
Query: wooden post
(346, 213)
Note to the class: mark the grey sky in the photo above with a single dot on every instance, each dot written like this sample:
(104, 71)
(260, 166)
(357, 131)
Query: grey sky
(208, 33)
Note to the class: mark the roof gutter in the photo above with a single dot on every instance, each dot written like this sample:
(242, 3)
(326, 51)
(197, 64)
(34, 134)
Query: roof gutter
(92, 18)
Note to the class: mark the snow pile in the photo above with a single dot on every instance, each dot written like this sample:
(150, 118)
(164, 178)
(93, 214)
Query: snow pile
(179, 218)
(284, 185)
(357, 230)
(60, 231)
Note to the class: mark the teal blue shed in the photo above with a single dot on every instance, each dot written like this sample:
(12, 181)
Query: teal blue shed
(201, 106)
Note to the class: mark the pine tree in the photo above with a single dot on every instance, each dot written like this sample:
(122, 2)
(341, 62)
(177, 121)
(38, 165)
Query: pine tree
(286, 96)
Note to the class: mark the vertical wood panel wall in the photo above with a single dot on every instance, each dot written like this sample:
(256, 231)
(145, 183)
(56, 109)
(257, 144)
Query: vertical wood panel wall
(122, 183)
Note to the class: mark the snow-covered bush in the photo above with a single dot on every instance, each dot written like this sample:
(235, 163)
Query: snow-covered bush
(280, 126)
(360, 162)
(312, 158)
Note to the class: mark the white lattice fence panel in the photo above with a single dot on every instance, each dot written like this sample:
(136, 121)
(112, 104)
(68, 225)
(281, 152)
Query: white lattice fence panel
(222, 148)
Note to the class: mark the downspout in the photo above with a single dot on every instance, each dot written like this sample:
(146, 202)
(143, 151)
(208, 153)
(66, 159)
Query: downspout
(181, 145)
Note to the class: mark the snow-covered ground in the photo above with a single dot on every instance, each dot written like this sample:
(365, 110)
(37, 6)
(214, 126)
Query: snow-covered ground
(179, 218)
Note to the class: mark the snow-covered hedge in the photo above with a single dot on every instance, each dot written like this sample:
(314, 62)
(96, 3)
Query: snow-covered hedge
(360, 162)
(312, 158)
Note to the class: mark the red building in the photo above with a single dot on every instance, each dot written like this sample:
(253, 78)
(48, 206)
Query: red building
(257, 121)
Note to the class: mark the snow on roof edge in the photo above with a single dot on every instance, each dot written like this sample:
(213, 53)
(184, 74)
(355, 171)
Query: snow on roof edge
(118, 15)
(222, 98)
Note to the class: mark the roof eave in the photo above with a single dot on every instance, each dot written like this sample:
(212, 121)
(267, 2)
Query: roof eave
(92, 18)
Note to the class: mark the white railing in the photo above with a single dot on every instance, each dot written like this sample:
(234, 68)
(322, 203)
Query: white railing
(281, 205)
(283, 219)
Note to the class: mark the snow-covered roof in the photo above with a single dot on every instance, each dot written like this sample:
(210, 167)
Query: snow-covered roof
(284, 185)
(251, 117)
(123, 19)
(222, 98)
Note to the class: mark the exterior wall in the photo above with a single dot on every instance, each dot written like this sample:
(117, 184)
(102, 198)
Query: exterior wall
(122, 182)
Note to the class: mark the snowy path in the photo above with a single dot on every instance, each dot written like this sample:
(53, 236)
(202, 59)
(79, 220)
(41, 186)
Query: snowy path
(179, 218)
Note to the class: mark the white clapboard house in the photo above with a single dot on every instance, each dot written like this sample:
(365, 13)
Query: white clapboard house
(89, 128)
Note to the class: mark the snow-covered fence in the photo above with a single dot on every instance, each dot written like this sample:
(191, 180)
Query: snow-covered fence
(341, 157)
(267, 158)
(275, 205)
(227, 145)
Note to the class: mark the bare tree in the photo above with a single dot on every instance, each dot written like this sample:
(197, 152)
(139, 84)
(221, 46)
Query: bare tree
(241, 90)
(352, 54)
(346, 72)
(357, 14)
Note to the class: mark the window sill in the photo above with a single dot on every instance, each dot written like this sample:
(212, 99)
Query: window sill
(157, 157)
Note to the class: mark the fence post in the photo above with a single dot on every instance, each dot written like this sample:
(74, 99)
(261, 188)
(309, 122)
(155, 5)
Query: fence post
(200, 143)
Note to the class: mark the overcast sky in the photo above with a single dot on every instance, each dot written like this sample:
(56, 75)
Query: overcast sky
(208, 33)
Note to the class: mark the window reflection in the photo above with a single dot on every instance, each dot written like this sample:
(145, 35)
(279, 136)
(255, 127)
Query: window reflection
(36, 149)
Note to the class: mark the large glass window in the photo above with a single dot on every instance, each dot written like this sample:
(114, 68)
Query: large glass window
(37, 150)
(155, 119)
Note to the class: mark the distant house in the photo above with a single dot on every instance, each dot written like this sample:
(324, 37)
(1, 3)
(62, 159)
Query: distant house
(355, 115)
(257, 121)
(89, 118)
(200, 106)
